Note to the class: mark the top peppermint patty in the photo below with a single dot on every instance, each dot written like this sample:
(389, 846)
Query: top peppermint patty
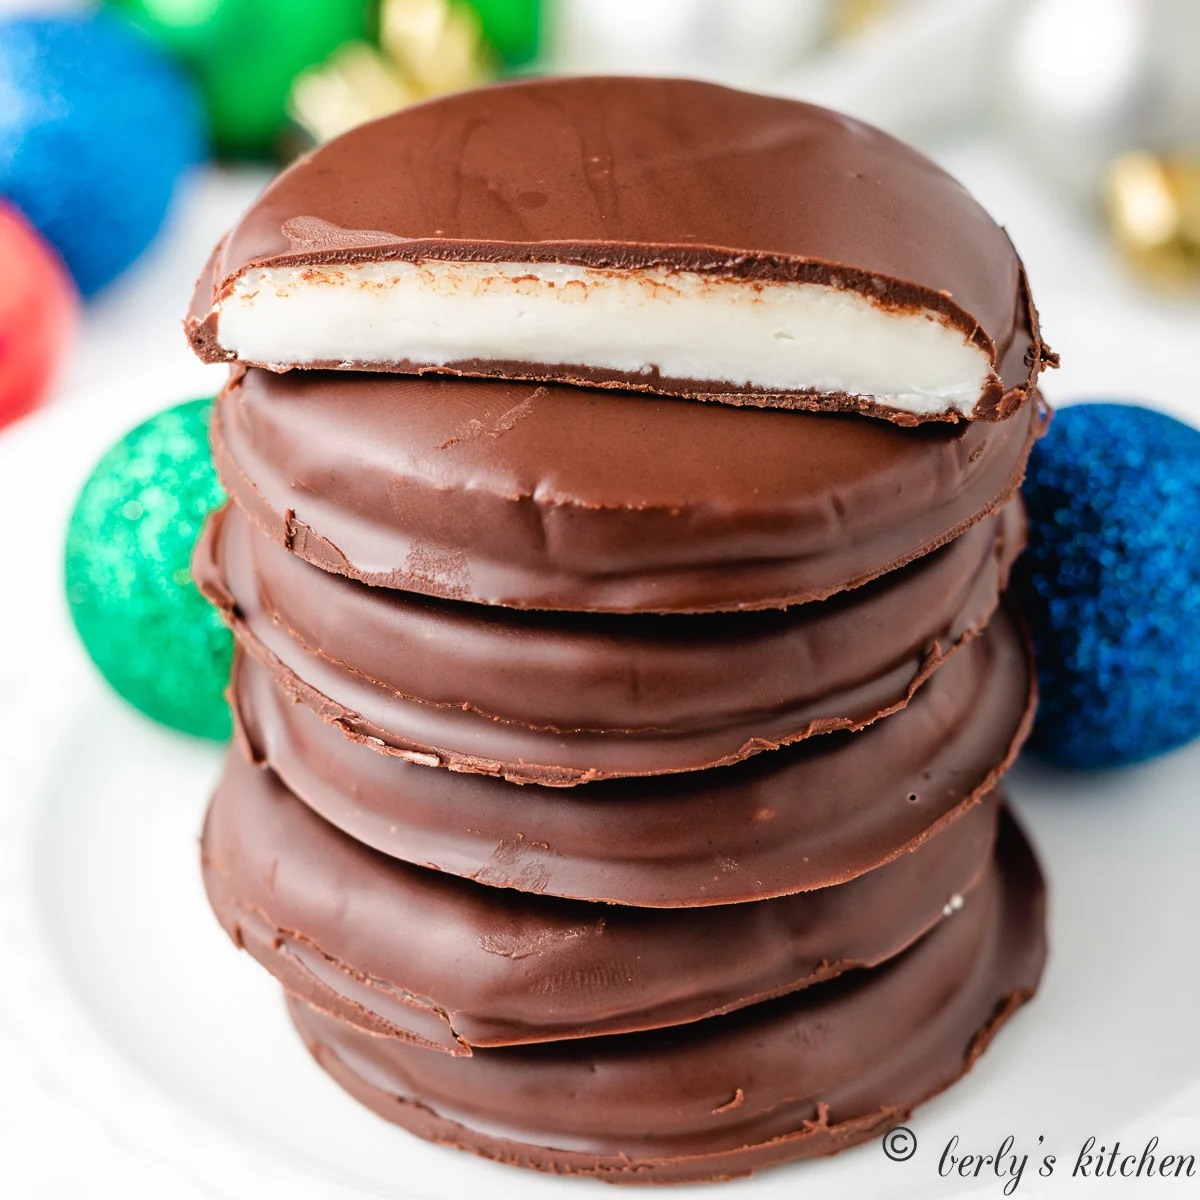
(649, 234)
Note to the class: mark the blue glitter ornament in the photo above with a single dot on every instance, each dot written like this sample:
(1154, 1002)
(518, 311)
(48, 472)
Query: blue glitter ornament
(1111, 584)
(96, 125)
(128, 573)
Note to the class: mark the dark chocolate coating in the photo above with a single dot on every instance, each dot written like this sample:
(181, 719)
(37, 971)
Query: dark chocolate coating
(806, 816)
(406, 952)
(804, 1075)
(627, 173)
(564, 697)
(570, 499)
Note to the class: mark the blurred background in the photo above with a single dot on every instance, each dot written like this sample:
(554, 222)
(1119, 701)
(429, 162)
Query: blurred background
(133, 132)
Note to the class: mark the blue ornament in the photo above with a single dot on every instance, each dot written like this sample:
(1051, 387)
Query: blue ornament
(1110, 584)
(96, 126)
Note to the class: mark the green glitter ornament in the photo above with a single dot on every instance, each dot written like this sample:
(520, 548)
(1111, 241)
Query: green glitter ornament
(156, 640)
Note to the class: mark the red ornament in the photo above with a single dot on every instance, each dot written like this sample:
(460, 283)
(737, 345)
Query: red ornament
(38, 309)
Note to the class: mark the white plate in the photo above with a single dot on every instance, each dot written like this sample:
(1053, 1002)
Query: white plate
(141, 1056)
(122, 914)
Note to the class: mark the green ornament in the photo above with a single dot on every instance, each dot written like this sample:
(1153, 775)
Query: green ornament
(156, 640)
(512, 28)
(245, 54)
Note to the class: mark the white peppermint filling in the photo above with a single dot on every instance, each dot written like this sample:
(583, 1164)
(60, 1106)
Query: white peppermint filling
(686, 325)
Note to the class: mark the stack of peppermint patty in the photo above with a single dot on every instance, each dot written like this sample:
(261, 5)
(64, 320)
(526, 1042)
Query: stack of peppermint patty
(622, 483)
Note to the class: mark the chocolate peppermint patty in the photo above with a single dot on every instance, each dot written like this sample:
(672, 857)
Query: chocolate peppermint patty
(806, 816)
(535, 696)
(653, 234)
(402, 951)
(562, 498)
(804, 1075)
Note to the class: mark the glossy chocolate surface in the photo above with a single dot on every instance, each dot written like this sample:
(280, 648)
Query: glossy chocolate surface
(806, 816)
(406, 952)
(562, 498)
(807, 1074)
(596, 696)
